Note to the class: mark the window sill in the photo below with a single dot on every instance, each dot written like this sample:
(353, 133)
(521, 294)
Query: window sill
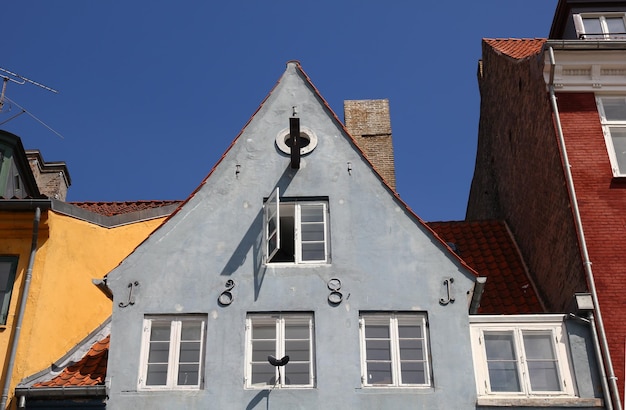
(540, 402)
(395, 389)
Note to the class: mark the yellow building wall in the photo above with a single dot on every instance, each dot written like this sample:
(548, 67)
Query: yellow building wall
(63, 304)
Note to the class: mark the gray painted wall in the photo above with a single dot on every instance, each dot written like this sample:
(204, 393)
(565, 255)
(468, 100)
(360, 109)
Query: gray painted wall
(384, 258)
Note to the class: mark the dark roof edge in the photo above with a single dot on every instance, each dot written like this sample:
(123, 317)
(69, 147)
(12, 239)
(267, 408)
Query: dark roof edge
(111, 221)
(84, 215)
(62, 392)
(585, 44)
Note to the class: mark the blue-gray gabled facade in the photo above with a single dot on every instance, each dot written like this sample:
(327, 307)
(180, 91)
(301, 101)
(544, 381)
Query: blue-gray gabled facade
(367, 302)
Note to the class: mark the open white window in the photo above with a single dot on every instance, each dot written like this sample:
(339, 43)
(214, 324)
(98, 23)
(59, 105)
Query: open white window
(394, 350)
(279, 335)
(612, 111)
(296, 230)
(172, 352)
(521, 358)
(605, 26)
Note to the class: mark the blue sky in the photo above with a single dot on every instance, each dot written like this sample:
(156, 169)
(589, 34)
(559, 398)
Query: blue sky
(152, 93)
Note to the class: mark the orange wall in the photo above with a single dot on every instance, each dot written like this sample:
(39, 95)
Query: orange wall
(63, 304)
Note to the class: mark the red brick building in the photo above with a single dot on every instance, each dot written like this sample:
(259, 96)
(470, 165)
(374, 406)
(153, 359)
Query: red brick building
(551, 161)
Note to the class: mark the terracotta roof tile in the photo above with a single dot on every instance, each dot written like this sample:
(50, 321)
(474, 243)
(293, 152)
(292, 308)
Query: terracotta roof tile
(89, 371)
(118, 208)
(518, 48)
(488, 247)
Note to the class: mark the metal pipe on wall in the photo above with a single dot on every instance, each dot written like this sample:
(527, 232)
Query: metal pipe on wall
(22, 309)
(606, 357)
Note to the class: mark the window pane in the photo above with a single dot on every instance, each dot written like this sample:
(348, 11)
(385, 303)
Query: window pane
(297, 350)
(263, 373)
(296, 331)
(156, 375)
(264, 331)
(191, 330)
(377, 350)
(312, 213)
(593, 29)
(409, 331)
(262, 349)
(503, 376)
(160, 331)
(413, 373)
(618, 136)
(502, 362)
(190, 352)
(411, 350)
(614, 108)
(312, 232)
(542, 364)
(313, 251)
(379, 373)
(5, 275)
(499, 346)
(296, 373)
(377, 331)
(188, 374)
(616, 25)
(159, 352)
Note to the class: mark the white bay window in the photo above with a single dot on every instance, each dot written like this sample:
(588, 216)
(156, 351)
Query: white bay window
(521, 358)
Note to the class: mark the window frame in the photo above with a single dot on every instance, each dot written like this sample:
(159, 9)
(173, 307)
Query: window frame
(5, 297)
(279, 319)
(391, 318)
(607, 125)
(173, 361)
(553, 326)
(606, 34)
(272, 228)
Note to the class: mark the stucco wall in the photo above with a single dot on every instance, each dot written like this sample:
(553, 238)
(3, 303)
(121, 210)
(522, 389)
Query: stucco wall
(385, 260)
(63, 304)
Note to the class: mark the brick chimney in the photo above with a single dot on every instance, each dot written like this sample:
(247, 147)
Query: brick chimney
(53, 178)
(369, 123)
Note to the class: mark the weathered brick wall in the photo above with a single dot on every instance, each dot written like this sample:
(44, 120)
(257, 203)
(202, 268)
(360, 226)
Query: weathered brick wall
(519, 177)
(52, 179)
(369, 122)
(602, 205)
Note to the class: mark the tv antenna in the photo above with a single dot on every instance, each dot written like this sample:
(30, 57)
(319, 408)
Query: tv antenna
(9, 76)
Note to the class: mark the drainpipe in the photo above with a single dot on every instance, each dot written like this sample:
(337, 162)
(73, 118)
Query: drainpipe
(22, 308)
(583, 244)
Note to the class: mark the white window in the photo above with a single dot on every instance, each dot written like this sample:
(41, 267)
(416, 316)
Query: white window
(279, 335)
(394, 349)
(613, 117)
(521, 358)
(600, 26)
(172, 352)
(296, 231)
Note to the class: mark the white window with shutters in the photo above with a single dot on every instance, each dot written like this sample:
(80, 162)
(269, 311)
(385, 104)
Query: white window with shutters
(296, 230)
(523, 357)
(172, 353)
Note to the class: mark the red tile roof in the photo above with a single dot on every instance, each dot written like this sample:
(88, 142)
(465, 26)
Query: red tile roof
(118, 208)
(488, 247)
(517, 48)
(89, 371)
